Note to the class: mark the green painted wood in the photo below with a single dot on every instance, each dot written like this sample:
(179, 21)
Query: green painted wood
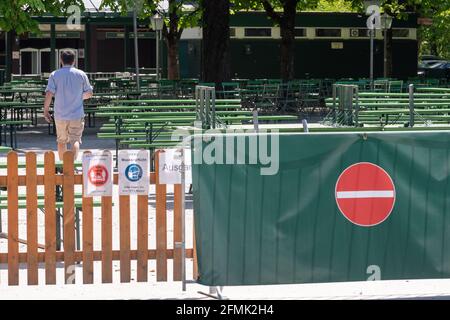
(149, 114)
(191, 119)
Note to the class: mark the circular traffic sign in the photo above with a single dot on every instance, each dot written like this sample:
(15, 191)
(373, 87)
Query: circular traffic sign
(365, 194)
(98, 175)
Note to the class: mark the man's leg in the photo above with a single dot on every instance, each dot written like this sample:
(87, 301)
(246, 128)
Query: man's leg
(62, 147)
(62, 137)
(75, 149)
(76, 128)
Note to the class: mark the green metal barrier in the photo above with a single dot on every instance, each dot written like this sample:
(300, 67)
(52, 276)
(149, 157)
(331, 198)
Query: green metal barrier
(287, 228)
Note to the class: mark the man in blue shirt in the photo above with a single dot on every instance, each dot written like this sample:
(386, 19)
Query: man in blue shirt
(70, 87)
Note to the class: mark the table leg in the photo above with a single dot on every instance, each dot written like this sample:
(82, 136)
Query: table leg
(11, 136)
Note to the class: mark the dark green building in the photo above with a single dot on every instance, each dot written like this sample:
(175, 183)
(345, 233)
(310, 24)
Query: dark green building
(328, 45)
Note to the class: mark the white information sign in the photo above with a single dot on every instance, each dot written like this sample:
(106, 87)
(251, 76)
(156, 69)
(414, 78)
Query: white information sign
(133, 172)
(97, 174)
(170, 166)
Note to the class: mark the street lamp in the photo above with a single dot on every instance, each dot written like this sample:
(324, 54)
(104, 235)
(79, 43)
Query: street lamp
(136, 49)
(386, 24)
(157, 24)
(372, 8)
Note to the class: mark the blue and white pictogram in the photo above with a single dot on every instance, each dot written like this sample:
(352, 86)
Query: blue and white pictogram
(133, 172)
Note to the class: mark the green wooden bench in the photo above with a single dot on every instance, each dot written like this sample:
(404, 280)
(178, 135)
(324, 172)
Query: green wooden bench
(393, 108)
(59, 205)
(149, 123)
(12, 125)
(39, 164)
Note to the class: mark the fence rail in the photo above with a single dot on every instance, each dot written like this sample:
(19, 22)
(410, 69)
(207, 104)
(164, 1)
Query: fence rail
(68, 255)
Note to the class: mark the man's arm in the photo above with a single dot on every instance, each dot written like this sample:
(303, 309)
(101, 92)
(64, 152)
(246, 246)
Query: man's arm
(49, 94)
(48, 100)
(87, 95)
(87, 88)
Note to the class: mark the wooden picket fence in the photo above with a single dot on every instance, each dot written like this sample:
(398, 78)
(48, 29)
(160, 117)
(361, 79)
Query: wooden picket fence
(68, 179)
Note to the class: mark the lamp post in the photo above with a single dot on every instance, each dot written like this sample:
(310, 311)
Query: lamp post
(157, 25)
(372, 8)
(372, 36)
(386, 24)
(136, 49)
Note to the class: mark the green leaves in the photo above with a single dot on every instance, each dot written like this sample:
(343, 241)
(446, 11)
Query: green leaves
(433, 39)
(17, 14)
(436, 38)
(334, 6)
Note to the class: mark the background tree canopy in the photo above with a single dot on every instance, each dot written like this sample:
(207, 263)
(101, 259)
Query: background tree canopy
(16, 15)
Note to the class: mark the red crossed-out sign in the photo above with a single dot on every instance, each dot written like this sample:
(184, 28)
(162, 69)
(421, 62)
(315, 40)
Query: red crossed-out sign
(98, 175)
(365, 194)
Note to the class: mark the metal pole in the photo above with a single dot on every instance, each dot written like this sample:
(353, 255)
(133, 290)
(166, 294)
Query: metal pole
(8, 58)
(385, 53)
(202, 106)
(305, 126)
(355, 97)
(136, 49)
(372, 31)
(157, 55)
(208, 107)
(183, 235)
(53, 64)
(87, 47)
(411, 105)
(213, 107)
(126, 47)
(255, 121)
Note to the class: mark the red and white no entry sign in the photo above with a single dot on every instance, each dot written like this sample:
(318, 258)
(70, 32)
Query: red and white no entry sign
(365, 194)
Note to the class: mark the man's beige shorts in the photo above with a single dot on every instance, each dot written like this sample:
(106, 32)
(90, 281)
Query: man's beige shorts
(69, 131)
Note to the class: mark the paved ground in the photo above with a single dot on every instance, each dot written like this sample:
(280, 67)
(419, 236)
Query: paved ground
(39, 141)
(417, 289)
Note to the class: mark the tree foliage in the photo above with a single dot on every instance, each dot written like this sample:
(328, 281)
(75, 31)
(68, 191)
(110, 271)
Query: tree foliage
(433, 39)
(185, 12)
(17, 15)
(333, 6)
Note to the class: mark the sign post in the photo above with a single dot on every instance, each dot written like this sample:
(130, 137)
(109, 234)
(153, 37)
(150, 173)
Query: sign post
(172, 162)
(97, 174)
(133, 172)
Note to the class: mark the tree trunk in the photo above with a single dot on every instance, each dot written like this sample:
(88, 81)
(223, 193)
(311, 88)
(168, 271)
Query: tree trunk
(287, 30)
(172, 34)
(173, 61)
(216, 41)
(389, 40)
(9, 36)
(434, 50)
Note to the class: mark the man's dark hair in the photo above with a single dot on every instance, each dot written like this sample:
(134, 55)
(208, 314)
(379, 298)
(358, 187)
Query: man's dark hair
(67, 57)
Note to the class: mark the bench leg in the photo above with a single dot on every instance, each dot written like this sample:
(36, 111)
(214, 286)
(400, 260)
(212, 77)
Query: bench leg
(0, 221)
(15, 137)
(117, 154)
(11, 139)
